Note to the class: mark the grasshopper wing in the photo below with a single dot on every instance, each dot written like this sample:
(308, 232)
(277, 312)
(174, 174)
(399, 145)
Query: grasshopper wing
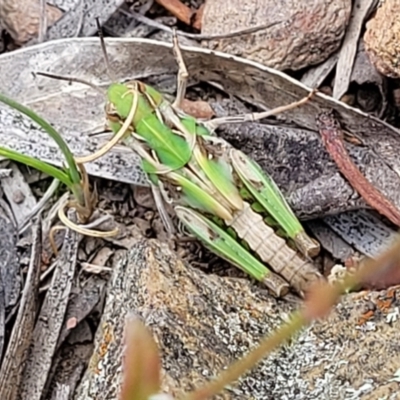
(266, 192)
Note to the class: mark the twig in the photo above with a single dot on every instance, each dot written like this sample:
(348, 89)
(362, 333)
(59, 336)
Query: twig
(144, 20)
(81, 17)
(43, 21)
(332, 137)
(71, 79)
(39, 206)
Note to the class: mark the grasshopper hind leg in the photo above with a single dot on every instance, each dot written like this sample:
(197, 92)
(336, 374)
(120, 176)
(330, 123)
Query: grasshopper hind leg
(165, 218)
(215, 123)
(183, 74)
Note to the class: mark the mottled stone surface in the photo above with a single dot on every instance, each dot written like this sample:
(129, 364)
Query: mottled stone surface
(308, 32)
(204, 322)
(382, 39)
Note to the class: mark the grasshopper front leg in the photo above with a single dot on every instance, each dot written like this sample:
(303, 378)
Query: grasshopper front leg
(215, 123)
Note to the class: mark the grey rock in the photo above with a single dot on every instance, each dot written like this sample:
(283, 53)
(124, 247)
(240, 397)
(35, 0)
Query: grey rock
(202, 323)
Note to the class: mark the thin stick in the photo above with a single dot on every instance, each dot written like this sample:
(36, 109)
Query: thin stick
(39, 206)
(71, 79)
(147, 21)
(183, 74)
(104, 50)
(43, 21)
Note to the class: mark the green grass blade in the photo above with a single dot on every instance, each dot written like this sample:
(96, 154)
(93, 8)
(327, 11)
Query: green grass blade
(69, 158)
(37, 164)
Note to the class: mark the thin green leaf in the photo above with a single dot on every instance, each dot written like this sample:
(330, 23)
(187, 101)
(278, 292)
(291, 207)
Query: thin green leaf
(69, 158)
(37, 164)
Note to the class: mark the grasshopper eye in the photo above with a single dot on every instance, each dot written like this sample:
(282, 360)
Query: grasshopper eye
(111, 112)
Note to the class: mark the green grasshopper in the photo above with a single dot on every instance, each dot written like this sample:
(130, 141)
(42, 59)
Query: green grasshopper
(201, 175)
(204, 178)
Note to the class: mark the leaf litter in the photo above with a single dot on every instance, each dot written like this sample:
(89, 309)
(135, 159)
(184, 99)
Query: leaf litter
(205, 68)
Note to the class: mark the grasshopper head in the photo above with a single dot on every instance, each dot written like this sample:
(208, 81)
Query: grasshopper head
(120, 100)
(120, 97)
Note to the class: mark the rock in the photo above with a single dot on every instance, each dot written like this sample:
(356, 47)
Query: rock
(22, 18)
(309, 33)
(382, 39)
(204, 322)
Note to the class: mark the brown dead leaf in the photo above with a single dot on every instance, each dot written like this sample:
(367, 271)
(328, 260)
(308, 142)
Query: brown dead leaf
(198, 109)
(198, 16)
(178, 9)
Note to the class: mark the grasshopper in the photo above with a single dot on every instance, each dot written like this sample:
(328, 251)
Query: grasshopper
(202, 176)
(209, 183)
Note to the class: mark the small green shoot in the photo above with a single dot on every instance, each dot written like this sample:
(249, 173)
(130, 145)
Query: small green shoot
(73, 176)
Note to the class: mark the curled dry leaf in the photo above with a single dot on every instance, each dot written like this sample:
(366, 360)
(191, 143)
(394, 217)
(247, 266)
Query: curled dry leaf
(382, 39)
(198, 16)
(332, 136)
(21, 18)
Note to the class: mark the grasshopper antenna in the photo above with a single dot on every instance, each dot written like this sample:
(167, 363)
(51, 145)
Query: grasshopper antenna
(104, 50)
(72, 79)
